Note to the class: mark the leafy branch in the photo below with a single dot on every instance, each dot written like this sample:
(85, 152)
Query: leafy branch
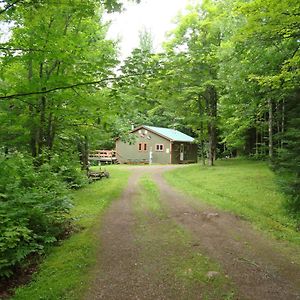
(71, 86)
(24, 49)
(9, 6)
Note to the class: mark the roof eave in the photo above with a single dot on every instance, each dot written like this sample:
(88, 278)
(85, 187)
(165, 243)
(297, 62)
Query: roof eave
(153, 131)
(182, 141)
(159, 134)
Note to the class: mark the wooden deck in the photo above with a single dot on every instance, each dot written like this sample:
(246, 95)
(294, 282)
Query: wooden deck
(105, 156)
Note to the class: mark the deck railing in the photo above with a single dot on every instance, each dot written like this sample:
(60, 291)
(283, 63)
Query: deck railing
(102, 154)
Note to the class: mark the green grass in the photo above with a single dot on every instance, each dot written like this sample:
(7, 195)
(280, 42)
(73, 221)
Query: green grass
(149, 199)
(166, 246)
(64, 274)
(246, 188)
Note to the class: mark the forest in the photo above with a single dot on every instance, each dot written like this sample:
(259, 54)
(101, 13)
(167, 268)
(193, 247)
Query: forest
(228, 76)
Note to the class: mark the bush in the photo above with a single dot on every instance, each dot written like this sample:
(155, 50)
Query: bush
(68, 170)
(34, 207)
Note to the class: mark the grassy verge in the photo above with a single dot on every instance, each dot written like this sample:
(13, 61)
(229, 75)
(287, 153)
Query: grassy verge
(149, 200)
(167, 254)
(245, 188)
(64, 274)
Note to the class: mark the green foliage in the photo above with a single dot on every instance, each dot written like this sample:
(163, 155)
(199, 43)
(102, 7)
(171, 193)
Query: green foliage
(287, 163)
(66, 167)
(247, 54)
(229, 76)
(146, 40)
(65, 272)
(51, 47)
(34, 207)
(60, 46)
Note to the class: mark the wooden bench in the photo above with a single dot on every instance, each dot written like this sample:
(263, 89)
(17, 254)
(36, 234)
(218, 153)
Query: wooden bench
(93, 175)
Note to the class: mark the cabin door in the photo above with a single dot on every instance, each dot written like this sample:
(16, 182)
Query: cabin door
(181, 152)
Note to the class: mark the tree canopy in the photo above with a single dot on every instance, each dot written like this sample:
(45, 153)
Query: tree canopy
(228, 75)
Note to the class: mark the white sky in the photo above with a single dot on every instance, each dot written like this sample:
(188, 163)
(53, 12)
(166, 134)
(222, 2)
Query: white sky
(154, 15)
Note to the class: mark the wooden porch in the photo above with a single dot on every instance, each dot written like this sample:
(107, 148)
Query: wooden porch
(104, 156)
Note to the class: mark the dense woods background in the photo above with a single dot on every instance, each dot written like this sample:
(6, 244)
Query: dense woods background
(229, 75)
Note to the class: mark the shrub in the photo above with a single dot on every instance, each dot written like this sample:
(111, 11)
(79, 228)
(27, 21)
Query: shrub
(34, 206)
(68, 169)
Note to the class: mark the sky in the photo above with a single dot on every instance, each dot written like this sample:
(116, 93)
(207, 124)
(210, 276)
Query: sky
(153, 15)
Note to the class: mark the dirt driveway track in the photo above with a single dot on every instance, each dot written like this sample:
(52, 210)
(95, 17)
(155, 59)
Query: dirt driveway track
(260, 268)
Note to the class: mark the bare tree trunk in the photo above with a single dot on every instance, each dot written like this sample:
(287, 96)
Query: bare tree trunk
(210, 150)
(32, 143)
(83, 149)
(270, 123)
(256, 139)
(282, 122)
(211, 144)
(277, 120)
(50, 131)
(41, 137)
(264, 137)
(33, 133)
(202, 145)
(201, 113)
(212, 130)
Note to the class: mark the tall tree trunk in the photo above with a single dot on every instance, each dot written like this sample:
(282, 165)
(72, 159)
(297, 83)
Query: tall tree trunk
(256, 137)
(264, 135)
(277, 120)
(211, 143)
(211, 102)
(202, 144)
(41, 139)
(201, 114)
(282, 122)
(33, 133)
(83, 149)
(270, 123)
(50, 131)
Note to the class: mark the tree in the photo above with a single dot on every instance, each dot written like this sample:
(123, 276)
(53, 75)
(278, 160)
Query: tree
(146, 41)
(69, 46)
(192, 49)
(261, 50)
(54, 50)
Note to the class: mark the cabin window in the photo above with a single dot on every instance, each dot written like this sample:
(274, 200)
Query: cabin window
(142, 147)
(159, 147)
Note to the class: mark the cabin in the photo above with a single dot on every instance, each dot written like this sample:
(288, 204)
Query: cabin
(157, 145)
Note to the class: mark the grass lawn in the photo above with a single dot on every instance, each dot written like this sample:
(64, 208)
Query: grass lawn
(246, 188)
(64, 274)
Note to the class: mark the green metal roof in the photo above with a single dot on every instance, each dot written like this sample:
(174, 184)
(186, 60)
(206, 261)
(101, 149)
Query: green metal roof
(171, 134)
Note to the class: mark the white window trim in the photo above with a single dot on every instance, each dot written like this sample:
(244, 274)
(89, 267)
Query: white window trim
(157, 147)
(142, 147)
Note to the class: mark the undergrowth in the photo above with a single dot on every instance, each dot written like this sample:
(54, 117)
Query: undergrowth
(64, 274)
